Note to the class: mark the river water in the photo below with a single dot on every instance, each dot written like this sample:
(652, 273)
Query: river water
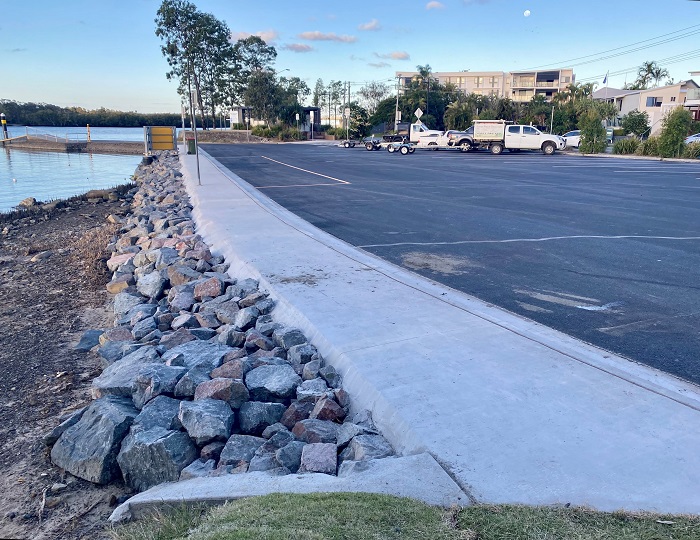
(57, 175)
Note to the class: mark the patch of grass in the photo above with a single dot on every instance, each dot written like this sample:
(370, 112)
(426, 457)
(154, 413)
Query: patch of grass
(546, 523)
(363, 516)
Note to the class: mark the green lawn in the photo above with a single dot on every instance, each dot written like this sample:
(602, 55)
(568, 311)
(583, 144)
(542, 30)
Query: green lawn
(350, 516)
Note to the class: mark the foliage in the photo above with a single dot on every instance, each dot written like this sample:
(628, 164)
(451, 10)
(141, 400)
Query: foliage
(635, 122)
(459, 115)
(593, 137)
(359, 121)
(44, 114)
(319, 96)
(198, 51)
(263, 96)
(626, 146)
(692, 151)
(648, 73)
(676, 125)
(650, 147)
(372, 94)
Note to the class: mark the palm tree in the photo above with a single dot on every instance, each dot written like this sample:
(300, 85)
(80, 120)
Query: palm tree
(425, 74)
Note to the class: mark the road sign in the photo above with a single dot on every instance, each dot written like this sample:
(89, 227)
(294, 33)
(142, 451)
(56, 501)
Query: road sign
(418, 113)
(311, 113)
(346, 113)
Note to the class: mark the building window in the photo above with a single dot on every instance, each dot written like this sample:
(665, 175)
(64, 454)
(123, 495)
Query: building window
(478, 82)
(653, 102)
(567, 79)
(673, 98)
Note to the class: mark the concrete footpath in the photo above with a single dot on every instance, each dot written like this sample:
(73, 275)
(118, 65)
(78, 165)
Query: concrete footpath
(513, 411)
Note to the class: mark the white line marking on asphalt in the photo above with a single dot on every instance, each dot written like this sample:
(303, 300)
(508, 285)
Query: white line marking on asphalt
(545, 239)
(298, 185)
(306, 171)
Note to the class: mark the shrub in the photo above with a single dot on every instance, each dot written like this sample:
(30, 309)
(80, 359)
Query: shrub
(650, 147)
(635, 122)
(692, 151)
(593, 136)
(289, 134)
(676, 125)
(262, 131)
(618, 132)
(625, 146)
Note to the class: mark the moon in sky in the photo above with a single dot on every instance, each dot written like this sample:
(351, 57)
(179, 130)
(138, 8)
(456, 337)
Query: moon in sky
(527, 13)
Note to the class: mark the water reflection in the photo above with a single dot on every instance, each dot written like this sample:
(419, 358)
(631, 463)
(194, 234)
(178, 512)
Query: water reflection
(57, 175)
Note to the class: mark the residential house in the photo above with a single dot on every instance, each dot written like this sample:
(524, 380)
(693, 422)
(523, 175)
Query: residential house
(656, 102)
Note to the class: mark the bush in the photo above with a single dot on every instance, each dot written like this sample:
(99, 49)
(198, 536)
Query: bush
(692, 151)
(625, 146)
(650, 147)
(593, 135)
(618, 132)
(635, 122)
(676, 125)
(289, 134)
(262, 131)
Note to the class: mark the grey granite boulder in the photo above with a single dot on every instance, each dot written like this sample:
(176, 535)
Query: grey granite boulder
(288, 337)
(179, 275)
(313, 390)
(198, 469)
(246, 318)
(271, 383)
(144, 327)
(151, 285)
(150, 457)
(240, 448)
(206, 420)
(52, 436)
(187, 386)
(330, 375)
(289, 456)
(88, 340)
(231, 336)
(124, 301)
(153, 380)
(118, 379)
(255, 416)
(196, 354)
(89, 448)
(161, 411)
(363, 447)
(301, 354)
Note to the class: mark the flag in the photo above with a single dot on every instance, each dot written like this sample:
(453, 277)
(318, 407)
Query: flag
(605, 81)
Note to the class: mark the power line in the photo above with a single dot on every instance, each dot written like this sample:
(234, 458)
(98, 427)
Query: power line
(690, 55)
(564, 62)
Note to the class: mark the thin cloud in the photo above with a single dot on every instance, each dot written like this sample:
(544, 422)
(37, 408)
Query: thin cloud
(434, 5)
(18, 50)
(266, 35)
(469, 2)
(396, 55)
(378, 64)
(298, 47)
(372, 25)
(330, 36)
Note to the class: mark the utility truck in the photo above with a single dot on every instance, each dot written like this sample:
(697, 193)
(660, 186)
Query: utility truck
(497, 135)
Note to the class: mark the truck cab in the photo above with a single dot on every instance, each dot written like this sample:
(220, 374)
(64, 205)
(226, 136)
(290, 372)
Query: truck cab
(497, 135)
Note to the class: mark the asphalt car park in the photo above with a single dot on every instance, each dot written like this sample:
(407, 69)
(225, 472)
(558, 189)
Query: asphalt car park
(603, 249)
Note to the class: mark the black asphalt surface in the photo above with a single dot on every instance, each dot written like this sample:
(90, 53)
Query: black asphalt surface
(603, 249)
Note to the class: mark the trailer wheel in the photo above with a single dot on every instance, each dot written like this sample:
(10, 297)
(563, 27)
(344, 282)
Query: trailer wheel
(346, 144)
(352, 145)
(369, 146)
(433, 146)
(496, 148)
(411, 150)
(548, 148)
(391, 148)
(465, 146)
(404, 150)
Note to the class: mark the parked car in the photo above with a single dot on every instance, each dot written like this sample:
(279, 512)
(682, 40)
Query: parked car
(572, 138)
(693, 138)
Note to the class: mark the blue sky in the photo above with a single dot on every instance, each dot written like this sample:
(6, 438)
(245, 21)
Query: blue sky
(104, 53)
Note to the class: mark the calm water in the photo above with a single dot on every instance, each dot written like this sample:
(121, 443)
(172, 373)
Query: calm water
(57, 175)
(80, 133)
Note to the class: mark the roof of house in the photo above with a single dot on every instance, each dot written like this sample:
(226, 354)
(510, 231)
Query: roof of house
(609, 93)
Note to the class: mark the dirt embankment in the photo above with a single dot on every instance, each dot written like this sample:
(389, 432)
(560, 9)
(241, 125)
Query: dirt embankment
(52, 278)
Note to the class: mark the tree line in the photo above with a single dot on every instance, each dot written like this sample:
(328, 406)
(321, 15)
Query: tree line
(44, 114)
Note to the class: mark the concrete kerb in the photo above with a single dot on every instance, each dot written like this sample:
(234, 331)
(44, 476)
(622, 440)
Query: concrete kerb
(609, 442)
(633, 157)
(417, 477)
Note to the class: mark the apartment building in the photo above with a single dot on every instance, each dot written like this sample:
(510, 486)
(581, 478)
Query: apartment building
(516, 85)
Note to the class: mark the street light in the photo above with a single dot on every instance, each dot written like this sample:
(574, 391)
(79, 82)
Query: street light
(396, 115)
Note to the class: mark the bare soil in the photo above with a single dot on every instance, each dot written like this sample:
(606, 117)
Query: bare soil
(45, 306)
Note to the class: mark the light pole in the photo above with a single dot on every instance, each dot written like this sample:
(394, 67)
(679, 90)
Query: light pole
(396, 115)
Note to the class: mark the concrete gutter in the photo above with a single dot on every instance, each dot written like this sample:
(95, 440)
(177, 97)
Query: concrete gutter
(513, 411)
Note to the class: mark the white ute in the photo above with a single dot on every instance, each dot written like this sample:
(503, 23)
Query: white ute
(497, 135)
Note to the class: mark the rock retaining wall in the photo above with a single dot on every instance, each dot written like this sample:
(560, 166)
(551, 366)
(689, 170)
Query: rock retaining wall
(199, 379)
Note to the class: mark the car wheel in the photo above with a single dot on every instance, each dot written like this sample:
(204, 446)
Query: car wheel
(496, 148)
(548, 148)
(465, 146)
